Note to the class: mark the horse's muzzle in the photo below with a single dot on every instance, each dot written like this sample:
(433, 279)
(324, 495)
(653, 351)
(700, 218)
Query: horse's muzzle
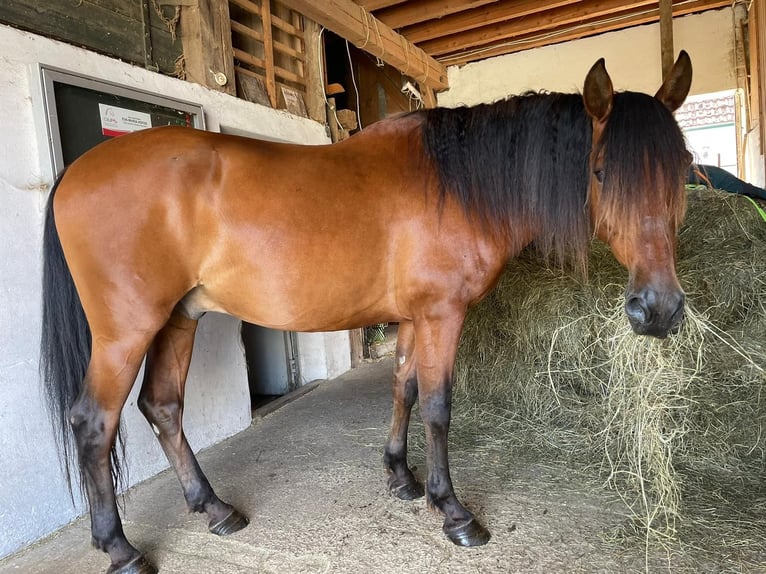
(655, 313)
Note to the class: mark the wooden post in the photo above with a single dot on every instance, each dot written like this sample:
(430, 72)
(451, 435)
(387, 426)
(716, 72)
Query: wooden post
(268, 53)
(315, 103)
(206, 36)
(429, 96)
(666, 37)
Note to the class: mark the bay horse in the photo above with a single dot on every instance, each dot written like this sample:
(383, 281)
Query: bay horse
(411, 220)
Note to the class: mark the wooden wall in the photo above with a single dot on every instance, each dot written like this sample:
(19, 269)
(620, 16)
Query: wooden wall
(131, 30)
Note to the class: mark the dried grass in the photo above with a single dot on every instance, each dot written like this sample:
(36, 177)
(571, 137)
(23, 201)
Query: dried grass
(676, 427)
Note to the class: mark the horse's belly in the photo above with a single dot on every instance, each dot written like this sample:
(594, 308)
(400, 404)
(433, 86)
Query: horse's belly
(296, 301)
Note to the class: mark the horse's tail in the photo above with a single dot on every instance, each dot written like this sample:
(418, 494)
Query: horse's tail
(65, 346)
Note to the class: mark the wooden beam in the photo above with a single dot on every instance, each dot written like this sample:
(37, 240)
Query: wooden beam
(567, 33)
(372, 5)
(354, 23)
(666, 37)
(497, 12)
(206, 37)
(409, 13)
(578, 14)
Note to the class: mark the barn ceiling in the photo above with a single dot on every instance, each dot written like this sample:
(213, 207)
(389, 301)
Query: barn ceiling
(461, 31)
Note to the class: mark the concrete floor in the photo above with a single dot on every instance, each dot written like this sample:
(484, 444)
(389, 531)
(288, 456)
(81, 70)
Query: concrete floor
(310, 477)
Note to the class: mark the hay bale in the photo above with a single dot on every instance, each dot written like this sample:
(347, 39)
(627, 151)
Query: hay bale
(551, 360)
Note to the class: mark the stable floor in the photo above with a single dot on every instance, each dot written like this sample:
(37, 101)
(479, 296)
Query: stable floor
(310, 477)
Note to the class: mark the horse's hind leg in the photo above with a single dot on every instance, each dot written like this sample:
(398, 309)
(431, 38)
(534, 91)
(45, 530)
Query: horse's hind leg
(95, 417)
(161, 402)
(401, 481)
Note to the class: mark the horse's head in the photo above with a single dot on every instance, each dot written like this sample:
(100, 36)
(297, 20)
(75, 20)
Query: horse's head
(637, 199)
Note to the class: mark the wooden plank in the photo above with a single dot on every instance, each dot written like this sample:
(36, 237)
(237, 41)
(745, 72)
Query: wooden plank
(409, 13)
(575, 14)
(268, 51)
(353, 23)
(206, 36)
(566, 33)
(315, 103)
(111, 27)
(667, 55)
(498, 12)
(371, 5)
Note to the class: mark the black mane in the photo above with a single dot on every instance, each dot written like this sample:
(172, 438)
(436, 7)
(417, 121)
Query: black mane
(526, 159)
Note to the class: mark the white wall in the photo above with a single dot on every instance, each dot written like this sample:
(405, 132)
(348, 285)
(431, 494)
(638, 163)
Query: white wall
(632, 59)
(33, 499)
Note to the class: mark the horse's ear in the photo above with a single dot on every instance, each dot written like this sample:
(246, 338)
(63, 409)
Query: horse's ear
(676, 86)
(598, 91)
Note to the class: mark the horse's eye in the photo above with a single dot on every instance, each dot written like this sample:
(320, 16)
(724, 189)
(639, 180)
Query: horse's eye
(599, 173)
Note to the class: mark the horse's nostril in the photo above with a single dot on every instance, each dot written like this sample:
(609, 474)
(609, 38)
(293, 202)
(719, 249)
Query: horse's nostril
(678, 315)
(636, 309)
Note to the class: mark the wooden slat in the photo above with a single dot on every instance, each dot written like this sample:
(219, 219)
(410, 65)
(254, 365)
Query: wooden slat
(258, 63)
(289, 76)
(248, 6)
(576, 14)
(350, 21)
(290, 51)
(243, 56)
(499, 12)
(285, 26)
(240, 28)
(566, 33)
(268, 50)
(409, 13)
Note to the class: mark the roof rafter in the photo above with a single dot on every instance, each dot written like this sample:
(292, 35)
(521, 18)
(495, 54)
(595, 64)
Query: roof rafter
(567, 32)
(482, 17)
(410, 13)
(534, 22)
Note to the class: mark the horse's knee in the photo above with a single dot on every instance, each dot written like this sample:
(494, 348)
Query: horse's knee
(435, 411)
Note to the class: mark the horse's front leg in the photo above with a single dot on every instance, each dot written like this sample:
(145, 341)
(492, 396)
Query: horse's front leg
(401, 481)
(436, 342)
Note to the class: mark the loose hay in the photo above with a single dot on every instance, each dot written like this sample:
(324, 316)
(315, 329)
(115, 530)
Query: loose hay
(677, 427)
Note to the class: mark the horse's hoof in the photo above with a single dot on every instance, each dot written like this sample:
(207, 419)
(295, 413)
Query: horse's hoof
(139, 565)
(469, 533)
(406, 490)
(233, 522)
